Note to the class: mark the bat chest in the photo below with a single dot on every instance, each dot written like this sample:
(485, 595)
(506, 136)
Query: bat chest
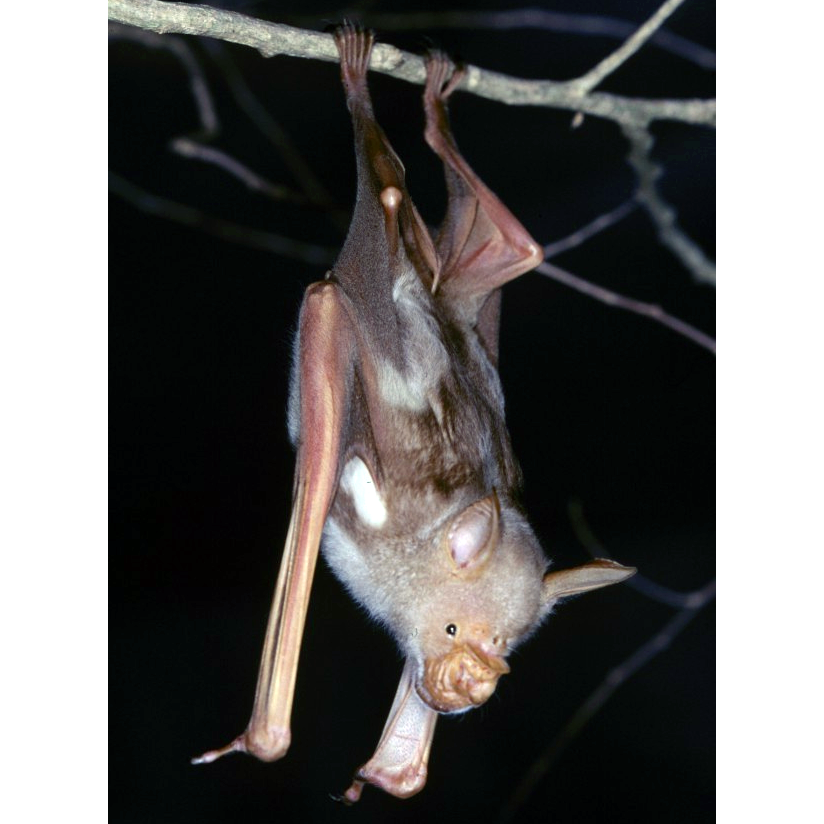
(428, 434)
(437, 416)
(426, 438)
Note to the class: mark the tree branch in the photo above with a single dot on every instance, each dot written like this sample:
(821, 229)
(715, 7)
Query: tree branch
(647, 310)
(310, 183)
(559, 22)
(225, 230)
(580, 236)
(638, 582)
(662, 214)
(189, 148)
(630, 46)
(195, 145)
(274, 39)
(207, 114)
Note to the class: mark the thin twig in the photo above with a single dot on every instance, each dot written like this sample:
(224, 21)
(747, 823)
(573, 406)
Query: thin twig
(188, 148)
(609, 64)
(207, 114)
(192, 145)
(223, 229)
(272, 39)
(317, 255)
(308, 181)
(591, 229)
(648, 310)
(638, 582)
(603, 692)
(662, 214)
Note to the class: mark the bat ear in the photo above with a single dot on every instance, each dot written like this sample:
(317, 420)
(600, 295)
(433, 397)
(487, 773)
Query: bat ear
(474, 534)
(594, 575)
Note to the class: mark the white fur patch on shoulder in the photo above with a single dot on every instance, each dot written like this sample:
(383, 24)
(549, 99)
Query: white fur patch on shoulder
(402, 392)
(358, 482)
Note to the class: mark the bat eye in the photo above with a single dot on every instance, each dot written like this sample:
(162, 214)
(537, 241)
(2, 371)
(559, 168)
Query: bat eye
(451, 629)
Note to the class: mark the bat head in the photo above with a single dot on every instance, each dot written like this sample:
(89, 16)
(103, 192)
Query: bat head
(489, 592)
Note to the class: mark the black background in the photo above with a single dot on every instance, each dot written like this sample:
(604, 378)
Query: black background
(604, 407)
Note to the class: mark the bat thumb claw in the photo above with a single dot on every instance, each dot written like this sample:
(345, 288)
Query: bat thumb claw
(212, 755)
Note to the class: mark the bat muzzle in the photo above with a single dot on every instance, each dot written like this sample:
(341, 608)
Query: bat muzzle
(461, 679)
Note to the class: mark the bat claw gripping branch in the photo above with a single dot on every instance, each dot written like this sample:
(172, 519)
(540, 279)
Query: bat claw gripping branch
(355, 48)
(442, 75)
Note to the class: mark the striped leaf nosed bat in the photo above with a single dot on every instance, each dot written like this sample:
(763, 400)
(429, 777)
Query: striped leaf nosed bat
(405, 476)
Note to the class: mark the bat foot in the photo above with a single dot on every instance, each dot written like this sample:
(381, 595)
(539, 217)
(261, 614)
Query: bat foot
(355, 48)
(353, 794)
(443, 75)
(442, 78)
(402, 782)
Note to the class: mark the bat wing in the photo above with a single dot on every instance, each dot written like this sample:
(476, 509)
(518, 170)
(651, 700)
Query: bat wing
(481, 245)
(399, 765)
(326, 355)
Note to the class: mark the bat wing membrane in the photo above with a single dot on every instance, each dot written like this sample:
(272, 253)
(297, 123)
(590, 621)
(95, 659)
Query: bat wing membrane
(481, 244)
(326, 354)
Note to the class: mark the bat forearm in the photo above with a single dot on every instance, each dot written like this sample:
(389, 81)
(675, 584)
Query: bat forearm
(325, 355)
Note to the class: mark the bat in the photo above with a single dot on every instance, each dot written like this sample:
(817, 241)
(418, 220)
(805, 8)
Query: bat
(405, 476)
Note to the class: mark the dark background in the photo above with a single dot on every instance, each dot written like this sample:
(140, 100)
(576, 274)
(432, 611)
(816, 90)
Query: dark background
(604, 407)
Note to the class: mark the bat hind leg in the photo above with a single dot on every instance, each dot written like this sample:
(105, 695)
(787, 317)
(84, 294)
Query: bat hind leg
(481, 242)
(442, 78)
